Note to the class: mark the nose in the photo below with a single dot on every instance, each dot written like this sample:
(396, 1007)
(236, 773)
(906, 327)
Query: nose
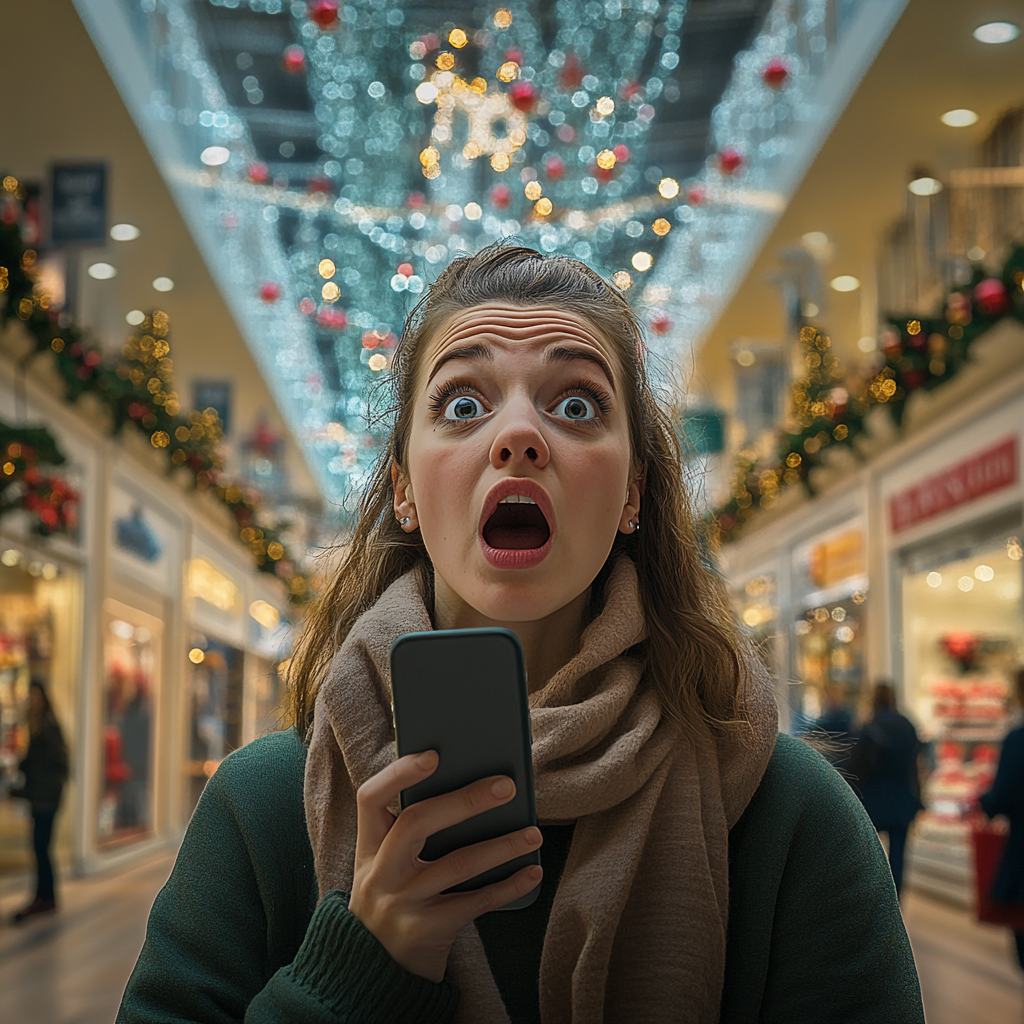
(519, 440)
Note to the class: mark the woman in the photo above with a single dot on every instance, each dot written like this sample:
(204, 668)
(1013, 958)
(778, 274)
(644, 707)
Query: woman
(45, 768)
(884, 769)
(1007, 797)
(694, 867)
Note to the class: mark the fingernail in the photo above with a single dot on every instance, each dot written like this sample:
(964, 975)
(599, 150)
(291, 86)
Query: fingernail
(535, 873)
(532, 836)
(502, 788)
(427, 758)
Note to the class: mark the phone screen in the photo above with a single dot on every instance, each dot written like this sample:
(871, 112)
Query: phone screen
(462, 692)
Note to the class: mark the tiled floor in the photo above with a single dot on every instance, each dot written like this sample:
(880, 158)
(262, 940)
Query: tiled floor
(72, 968)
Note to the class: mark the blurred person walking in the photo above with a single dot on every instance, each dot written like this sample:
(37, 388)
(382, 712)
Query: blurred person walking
(45, 770)
(884, 770)
(1007, 797)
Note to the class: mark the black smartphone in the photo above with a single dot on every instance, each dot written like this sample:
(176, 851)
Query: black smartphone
(462, 692)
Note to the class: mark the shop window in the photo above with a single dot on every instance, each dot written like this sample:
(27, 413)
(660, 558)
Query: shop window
(962, 642)
(38, 641)
(829, 634)
(131, 656)
(216, 714)
(757, 605)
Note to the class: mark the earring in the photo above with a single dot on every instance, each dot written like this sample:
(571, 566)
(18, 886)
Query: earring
(635, 523)
(404, 522)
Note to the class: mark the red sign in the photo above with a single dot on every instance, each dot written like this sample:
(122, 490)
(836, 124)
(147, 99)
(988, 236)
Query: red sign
(981, 474)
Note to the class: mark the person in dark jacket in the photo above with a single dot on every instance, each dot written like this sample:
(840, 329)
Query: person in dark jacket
(45, 768)
(883, 767)
(1007, 797)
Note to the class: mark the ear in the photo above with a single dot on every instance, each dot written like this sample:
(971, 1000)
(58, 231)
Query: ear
(405, 505)
(629, 521)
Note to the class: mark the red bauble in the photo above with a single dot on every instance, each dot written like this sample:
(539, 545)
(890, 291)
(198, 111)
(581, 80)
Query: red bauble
(729, 160)
(371, 339)
(622, 153)
(697, 194)
(270, 291)
(258, 173)
(318, 184)
(523, 96)
(307, 306)
(332, 318)
(566, 132)
(629, 90)
(405, 269)
(601, 173)
(514, 55)
(775, 73)
(324, 13)
(414, 200)
(571, 74)
(555, 167)
(991, 297)
(501, 196)
(661, 324)
(293, 60)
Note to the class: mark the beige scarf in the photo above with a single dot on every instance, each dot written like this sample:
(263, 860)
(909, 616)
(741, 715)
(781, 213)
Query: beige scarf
(638, 927)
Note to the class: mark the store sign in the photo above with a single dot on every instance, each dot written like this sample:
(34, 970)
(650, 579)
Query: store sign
(78, 204)
(837, 558)
(983, 473)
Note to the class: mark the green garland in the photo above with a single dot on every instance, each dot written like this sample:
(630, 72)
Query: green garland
(135, 390)
(829, 408)
(51, 503)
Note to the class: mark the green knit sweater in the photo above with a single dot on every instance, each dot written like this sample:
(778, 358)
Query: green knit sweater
(237, 933)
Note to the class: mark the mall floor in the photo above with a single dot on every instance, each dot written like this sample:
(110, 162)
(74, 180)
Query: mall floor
(71, 969)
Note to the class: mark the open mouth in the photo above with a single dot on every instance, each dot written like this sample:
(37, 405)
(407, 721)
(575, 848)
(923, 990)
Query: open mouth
(517, 524)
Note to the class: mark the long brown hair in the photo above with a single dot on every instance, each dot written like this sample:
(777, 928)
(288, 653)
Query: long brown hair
(691, 652)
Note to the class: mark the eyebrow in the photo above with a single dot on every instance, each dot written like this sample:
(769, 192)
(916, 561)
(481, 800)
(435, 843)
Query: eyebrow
(558, 354)
(570, 353)
(475, 351)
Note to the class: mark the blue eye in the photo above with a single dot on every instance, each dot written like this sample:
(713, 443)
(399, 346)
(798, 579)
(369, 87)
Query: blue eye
(464, 407)
(576, 408)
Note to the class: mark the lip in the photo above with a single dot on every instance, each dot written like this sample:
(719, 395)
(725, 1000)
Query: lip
(521, 558)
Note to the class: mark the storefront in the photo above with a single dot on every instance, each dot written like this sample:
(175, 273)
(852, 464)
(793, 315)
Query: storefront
(954, 524)
(40, 638)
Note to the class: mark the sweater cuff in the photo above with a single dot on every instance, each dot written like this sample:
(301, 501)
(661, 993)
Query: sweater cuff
(354, 975)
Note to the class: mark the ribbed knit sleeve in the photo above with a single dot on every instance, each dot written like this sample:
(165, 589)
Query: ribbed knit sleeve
(237, 934)
(342, 973)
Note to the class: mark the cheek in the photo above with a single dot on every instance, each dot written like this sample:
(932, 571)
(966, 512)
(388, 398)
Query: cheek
(443, 478)
(594, 482)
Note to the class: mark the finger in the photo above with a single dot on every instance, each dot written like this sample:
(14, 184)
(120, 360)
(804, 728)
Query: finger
(462, 908)
(470, 861)
(421, 820)
(374, 820)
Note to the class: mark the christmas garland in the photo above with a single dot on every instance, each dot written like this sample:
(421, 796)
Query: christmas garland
(135, 390)
(48, 499)
(828, 407)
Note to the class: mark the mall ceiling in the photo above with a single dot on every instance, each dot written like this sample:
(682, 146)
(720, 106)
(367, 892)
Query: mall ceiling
(245, 47)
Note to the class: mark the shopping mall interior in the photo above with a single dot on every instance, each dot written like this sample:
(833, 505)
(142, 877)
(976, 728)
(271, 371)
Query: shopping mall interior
(215, 218)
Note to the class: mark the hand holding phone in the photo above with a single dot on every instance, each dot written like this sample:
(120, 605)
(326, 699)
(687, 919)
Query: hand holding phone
(401, 899)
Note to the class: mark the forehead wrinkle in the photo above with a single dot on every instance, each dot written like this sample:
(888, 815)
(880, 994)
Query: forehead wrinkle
(500, 324)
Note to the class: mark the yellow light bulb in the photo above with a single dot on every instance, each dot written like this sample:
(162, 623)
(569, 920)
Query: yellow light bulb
(606, 159)
(331, 292)
(500, 162)
(432, 171)
(429, 156)
(471, 150)
(543, 207)
(533, 190)
(326, 268)
(479, 85)
(622, 279)
(605, 106)
(668, 188)
(502, 18)
(642, 261)
(377, 362)
(508, 71)
(446, 61)
(517, 137)
(661, 227)
(457, 38)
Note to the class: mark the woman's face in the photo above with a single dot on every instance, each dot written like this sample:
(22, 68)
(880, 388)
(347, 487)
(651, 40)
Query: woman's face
(518, 472)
